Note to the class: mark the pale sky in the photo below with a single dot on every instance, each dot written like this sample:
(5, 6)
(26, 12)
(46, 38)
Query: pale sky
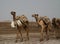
(48, 8)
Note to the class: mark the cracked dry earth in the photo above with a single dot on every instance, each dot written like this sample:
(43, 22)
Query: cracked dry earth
(34, 39)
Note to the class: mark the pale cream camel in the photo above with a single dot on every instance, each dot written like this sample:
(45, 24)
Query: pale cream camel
(20, 22)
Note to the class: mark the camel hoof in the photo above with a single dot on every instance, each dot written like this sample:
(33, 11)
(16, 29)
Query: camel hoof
(28, 38)
(16, 41)
(57, 37)
(41, 40)
(47, 39)
(21, 40)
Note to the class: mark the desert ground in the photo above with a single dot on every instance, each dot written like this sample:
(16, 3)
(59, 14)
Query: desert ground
(8, 35)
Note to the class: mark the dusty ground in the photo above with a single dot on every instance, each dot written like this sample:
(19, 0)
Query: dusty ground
(8, 35)
(34, 39)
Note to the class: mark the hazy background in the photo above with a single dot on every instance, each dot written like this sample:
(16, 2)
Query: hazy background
(49, 8)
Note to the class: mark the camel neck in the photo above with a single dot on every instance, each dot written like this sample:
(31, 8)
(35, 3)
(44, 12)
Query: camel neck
(14, 17)
(36, 18)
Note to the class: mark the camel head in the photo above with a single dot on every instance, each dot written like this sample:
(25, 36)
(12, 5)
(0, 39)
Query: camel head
(13, 13)
(35, 15)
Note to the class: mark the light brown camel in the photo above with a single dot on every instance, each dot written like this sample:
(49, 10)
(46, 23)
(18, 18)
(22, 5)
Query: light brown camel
(44, 22)
(20, 22)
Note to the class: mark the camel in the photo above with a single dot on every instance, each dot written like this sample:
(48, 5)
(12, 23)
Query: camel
(56, 22)
(20, 22)
(56, 25)
(45, 24)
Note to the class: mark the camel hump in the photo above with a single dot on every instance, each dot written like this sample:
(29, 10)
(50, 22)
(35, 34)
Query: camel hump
(24, 19)
(46, 20)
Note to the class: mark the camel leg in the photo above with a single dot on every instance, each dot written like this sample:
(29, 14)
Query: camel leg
(41, 36)
(19, 32)
(27, 33)
(55, 34)
(47, 34)
(49, 28)
(17, 37)
(21, 35)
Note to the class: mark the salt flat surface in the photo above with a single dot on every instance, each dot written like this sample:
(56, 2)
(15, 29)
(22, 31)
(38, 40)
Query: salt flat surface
(34, 39)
